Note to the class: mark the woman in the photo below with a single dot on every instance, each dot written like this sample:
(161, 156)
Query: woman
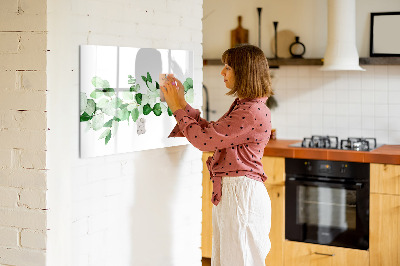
(242, 208)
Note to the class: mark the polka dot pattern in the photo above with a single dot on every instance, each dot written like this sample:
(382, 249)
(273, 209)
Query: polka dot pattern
(238, 139)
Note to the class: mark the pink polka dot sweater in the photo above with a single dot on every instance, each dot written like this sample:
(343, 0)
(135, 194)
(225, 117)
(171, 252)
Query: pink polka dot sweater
(238, 139)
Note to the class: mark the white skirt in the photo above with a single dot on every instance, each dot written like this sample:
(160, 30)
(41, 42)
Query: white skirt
(241, 223)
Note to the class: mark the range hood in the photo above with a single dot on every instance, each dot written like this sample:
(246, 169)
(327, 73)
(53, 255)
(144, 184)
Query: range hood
(341, 51)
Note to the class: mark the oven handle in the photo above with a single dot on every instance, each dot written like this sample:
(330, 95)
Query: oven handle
(357, 185)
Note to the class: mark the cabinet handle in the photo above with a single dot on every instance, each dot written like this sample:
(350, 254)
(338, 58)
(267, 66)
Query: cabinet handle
(324, 254)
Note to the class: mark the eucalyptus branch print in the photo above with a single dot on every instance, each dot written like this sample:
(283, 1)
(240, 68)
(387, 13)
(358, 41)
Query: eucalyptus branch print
(104, 108)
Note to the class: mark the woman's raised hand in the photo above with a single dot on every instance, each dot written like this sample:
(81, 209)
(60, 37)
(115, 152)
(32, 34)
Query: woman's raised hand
(174, 92)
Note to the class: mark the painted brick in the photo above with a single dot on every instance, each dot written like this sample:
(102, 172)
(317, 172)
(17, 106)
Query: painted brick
(33, 239)
(9, 42)
(8, 197)
(23, 218)
(23, 178)
(31, 55)
(22, 100)
(8, 237)
(33, 120)
(33, 199)
(33, 159)
(7, 80)
(5, 158)
(30, 80)
(22, 139)
(17, 256)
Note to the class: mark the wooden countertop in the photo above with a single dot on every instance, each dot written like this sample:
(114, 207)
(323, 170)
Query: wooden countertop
(389, 154)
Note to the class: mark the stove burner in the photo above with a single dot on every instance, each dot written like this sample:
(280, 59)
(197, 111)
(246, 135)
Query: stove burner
(358, 144)
(328, 142)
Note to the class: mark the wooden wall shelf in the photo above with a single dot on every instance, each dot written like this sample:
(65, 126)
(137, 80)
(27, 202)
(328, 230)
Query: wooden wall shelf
(274, 63)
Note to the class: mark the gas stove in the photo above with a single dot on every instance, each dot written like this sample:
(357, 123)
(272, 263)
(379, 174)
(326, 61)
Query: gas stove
(332, 142)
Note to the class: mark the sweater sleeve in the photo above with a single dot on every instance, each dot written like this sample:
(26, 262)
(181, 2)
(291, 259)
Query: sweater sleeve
(193, 113)
(231, 130)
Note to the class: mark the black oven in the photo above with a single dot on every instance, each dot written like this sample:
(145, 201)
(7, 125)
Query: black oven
(327, 202)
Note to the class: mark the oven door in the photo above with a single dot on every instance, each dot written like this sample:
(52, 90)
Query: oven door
(327, 213)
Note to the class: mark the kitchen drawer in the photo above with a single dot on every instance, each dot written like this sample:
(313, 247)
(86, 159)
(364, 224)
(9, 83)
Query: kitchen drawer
(305, 254)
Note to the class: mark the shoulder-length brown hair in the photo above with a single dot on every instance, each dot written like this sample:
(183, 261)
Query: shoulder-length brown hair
(250, 66)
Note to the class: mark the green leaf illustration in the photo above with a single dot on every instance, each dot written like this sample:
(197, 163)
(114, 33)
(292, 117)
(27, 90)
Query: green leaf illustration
(134, 88)
(149, 77)
(105, 133)
(98, 122)
(189, 96)
(110, 92)
(170, 113)
(116, 102)
(157, 109)
(130, 107)
(108, 123)
(108, 137)
(188, 84)
(127, 95)
(138, 98)
(147, 109)
(135, 114)
(131, 79)
(90, 107)
(157, 85)
(122, 114)
(85, 117)
(103, 103)
(99, 82)
(83, 101)
(151, 87)
(97, 94)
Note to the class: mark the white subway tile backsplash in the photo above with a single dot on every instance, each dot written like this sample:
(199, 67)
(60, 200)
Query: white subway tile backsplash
(394, 123)
(394, 137)
(347, 103)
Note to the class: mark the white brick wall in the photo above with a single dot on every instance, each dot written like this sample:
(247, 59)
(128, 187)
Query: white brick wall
(23, 126)
(140, 208)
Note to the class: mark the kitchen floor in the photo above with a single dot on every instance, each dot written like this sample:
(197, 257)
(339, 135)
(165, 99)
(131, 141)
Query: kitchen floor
(206, 261)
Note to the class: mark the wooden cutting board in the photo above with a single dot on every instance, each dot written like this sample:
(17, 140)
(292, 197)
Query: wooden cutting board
(239, 35)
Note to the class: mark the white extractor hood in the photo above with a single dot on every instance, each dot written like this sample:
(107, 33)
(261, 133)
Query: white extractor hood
(341, 51)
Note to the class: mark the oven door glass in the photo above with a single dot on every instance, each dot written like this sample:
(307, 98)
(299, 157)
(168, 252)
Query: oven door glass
(327, 214)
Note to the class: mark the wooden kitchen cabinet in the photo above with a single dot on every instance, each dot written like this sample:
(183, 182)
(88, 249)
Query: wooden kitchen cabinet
(305, 254)
(385, 215)
(206, 225)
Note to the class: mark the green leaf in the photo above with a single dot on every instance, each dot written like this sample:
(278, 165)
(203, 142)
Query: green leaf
(105, 133)
(144, 79)
(97, 94)
(157, 109)
(122, 114)
(124, 105)
(85, 117)
(135, 114)
(98, 121)
(147, 109)
(99, 82)
(130, 107)
(103, 103)
(163, 108)
(149, 77)
(116, 102)
(188, 84)
(134, 88)
(138, 98)
(83, 101)
(170, 113)
(108, 123)
(127, 95)
(157, 85)
(108, 137)
(109, 110)
(90, 107)
(110, 92)
(151, 87)
(189, 96)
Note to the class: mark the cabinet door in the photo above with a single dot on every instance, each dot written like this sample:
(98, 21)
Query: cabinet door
(385, 178)
(274, 168)
(384, 230)
(277, 233)
(206, 232)
(304, 254)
